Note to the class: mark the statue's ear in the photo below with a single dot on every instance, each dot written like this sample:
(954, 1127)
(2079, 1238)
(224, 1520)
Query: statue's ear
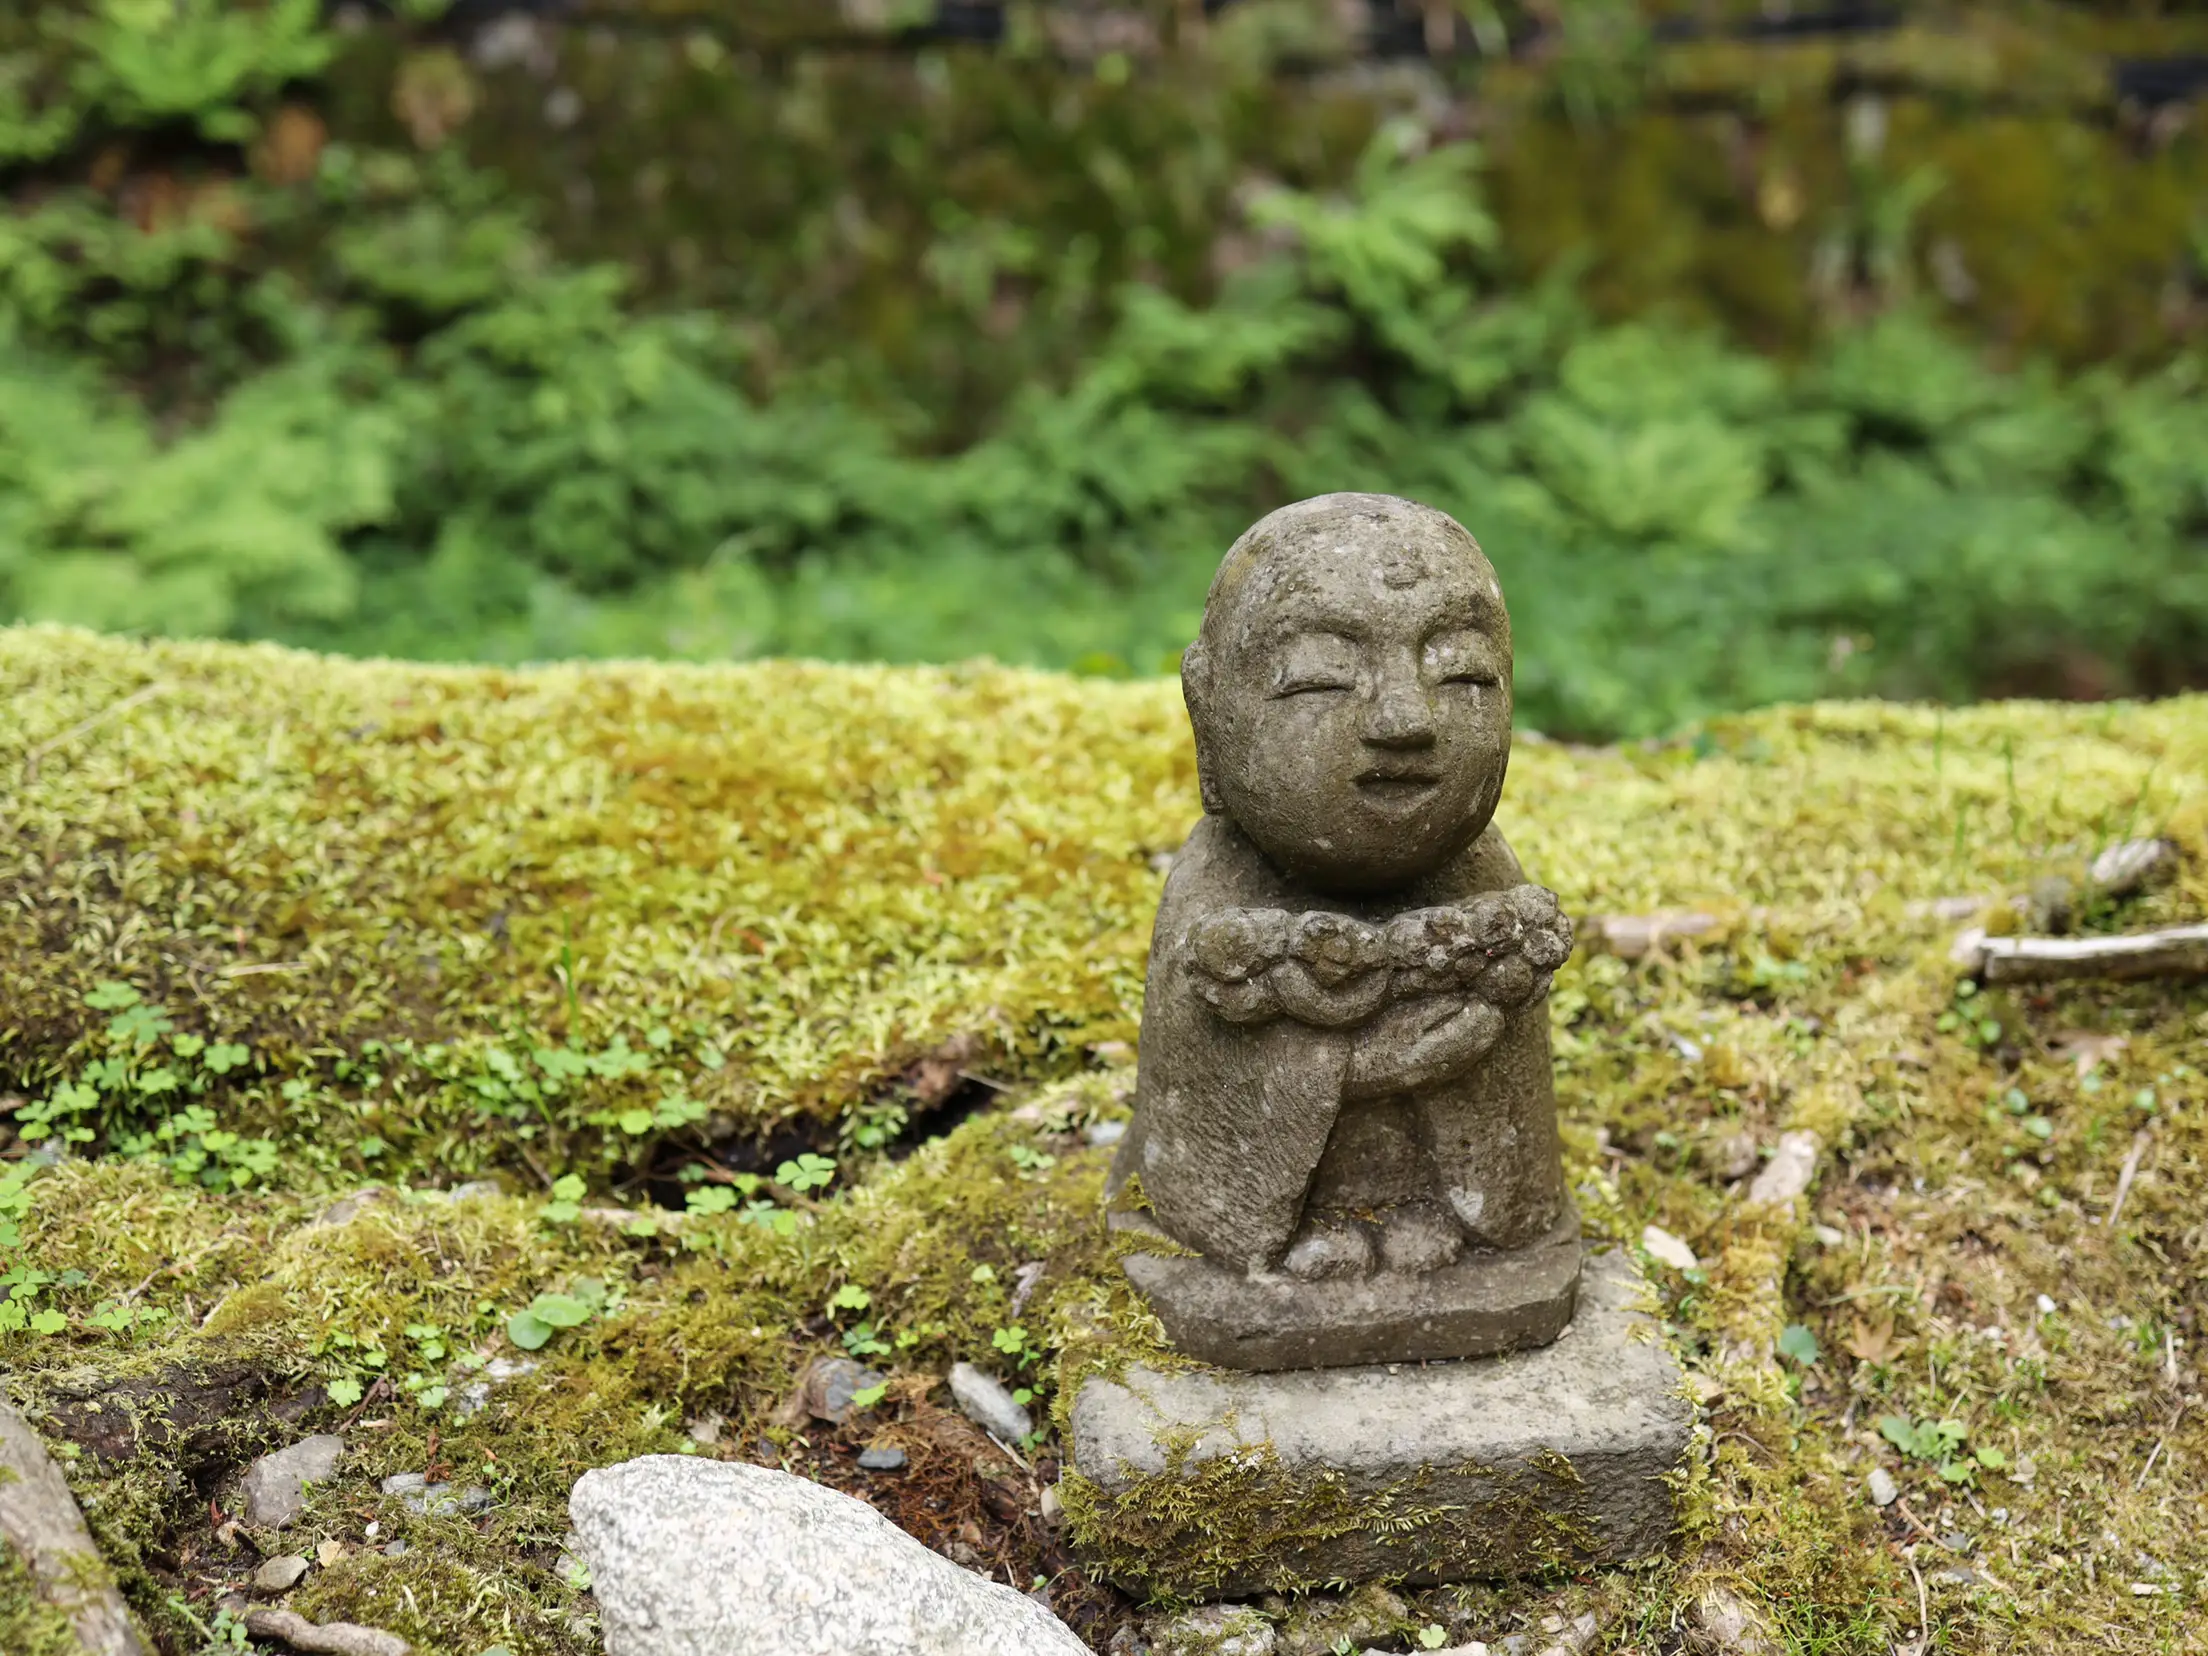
(1196, 692)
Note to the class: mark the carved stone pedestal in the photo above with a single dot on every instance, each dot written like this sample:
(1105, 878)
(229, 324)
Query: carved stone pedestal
(1483, 1304)
(1212, 1483)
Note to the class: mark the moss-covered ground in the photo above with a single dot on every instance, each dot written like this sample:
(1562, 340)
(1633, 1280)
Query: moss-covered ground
(290, 949)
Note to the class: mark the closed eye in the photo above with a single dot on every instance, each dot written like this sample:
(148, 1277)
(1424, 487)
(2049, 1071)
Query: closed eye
(1473, 675)
(1309, 686)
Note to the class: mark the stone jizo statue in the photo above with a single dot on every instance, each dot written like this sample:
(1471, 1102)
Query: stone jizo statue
(1345, 1129)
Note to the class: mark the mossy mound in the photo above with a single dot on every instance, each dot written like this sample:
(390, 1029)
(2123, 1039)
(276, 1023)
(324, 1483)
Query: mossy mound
(776, 884)
(442, 866)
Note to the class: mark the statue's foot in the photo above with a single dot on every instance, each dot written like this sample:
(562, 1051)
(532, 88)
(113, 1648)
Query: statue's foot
(1325, 1251)
(1420, 1238)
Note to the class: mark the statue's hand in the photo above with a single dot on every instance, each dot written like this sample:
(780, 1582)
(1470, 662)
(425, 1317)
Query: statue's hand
(1310, 999)
(1419, 1043)
(1250, 1001)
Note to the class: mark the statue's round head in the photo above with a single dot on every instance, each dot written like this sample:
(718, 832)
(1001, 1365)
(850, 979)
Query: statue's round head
(1350, 690)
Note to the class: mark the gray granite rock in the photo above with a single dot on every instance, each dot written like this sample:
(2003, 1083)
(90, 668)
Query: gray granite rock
(1479, 1468)
(274, 1491)
(691, 1557)
(983, 1399)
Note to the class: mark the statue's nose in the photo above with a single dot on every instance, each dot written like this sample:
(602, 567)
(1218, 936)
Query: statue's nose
(1401, 715)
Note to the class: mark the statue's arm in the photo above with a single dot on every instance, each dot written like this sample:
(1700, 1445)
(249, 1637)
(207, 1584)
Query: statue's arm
(1251, 965)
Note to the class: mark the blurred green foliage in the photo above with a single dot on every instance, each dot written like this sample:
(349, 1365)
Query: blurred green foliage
(370, 409)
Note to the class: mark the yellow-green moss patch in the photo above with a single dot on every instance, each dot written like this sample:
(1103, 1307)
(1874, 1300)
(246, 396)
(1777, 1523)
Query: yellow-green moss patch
(579, 857)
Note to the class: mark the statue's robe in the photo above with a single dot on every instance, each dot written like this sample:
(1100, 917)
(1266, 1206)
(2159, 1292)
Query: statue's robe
(1242, 1131)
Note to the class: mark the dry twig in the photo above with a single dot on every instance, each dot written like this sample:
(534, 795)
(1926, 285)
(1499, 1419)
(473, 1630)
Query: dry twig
(86, 726)
(2179, 951)
(328, 1639)
(2128, 1172)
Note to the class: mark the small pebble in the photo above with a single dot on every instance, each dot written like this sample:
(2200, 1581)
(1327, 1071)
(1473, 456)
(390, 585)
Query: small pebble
(1667, 1249)
(472, 1399)
(1884, 1491)
(440, 1500)
(396, 1549)
(1102, 1135)
(882, 1460)
(280, 1575)
(832, 1383)
(275, 1487)
(400, 1482)
(984, 1401)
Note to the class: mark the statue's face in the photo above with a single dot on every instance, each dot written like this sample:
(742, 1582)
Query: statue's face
(1356, 713)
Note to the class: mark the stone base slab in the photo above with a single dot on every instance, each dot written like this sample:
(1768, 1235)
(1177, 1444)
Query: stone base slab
(1213, 1483)
(1483, 1304)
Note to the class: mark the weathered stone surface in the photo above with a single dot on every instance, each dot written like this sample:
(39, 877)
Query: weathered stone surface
(1211, 1630)
(1483, 1304)
(40, 1523)
(1437, 1472)
(1343, 1092)
(274, 1489)
(716, 1558)
(1319, 1624)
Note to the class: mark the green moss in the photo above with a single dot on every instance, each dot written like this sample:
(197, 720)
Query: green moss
(28, 1625)
(817, 872)
(1708, 193)
(641, 816)
(1195, 1527)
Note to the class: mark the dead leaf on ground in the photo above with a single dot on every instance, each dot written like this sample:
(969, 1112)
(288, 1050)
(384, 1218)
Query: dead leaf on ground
(935, 1077)
(1871, 1342)
(2085, 1050)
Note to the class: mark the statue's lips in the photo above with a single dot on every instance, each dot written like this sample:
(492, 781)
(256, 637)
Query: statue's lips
(1397, 787)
